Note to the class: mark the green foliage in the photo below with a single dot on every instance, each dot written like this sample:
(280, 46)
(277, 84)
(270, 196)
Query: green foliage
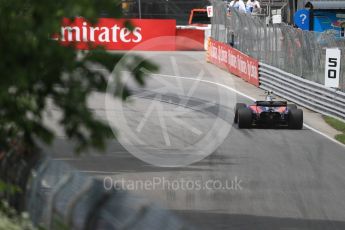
(10, 220)
(8, 188)
(335, 123)
(338, 125)
(34, 67)
(340, 138)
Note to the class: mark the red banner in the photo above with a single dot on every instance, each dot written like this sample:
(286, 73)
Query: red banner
(237, 63)
(190, 39)
(112, 34)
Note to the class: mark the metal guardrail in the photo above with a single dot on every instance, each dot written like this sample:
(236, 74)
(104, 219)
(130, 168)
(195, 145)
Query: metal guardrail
(57, 196)
(291, 60)
(306, 93)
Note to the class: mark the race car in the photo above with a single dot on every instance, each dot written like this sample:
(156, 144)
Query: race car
(268, 113)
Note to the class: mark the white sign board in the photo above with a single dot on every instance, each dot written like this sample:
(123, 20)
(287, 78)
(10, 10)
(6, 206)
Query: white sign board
(332, 68)
(209, 11)
(276, 19)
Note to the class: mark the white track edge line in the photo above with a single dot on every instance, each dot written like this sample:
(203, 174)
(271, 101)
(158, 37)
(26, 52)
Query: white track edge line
(251, 98)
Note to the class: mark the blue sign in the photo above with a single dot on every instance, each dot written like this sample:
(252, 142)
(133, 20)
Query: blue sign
(330, 20)
(302, 19)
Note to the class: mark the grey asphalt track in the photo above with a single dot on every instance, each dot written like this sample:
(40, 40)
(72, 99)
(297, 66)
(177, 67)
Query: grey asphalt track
(287, 179)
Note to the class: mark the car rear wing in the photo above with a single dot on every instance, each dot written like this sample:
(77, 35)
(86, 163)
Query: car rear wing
(272, 103)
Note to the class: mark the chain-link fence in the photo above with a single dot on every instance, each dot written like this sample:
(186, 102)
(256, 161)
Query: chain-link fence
(295, 51)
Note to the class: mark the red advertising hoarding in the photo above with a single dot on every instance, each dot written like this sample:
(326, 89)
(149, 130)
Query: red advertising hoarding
(112, 34)
(190, 39)
(237, 63)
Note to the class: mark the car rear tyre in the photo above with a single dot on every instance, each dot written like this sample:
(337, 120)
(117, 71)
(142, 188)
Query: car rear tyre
(295, 119)
(237, 107)
(244, 118)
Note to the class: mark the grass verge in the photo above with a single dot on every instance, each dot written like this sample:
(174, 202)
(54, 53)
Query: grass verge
(340, 138)
(338, 125)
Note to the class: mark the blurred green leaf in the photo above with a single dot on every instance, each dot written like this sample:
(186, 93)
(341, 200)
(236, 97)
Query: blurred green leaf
(34, 68)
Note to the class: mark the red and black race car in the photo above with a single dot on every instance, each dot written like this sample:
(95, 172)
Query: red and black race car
(268, 113)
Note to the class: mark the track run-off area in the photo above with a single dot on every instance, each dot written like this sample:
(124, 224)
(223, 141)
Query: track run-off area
(177, 146)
